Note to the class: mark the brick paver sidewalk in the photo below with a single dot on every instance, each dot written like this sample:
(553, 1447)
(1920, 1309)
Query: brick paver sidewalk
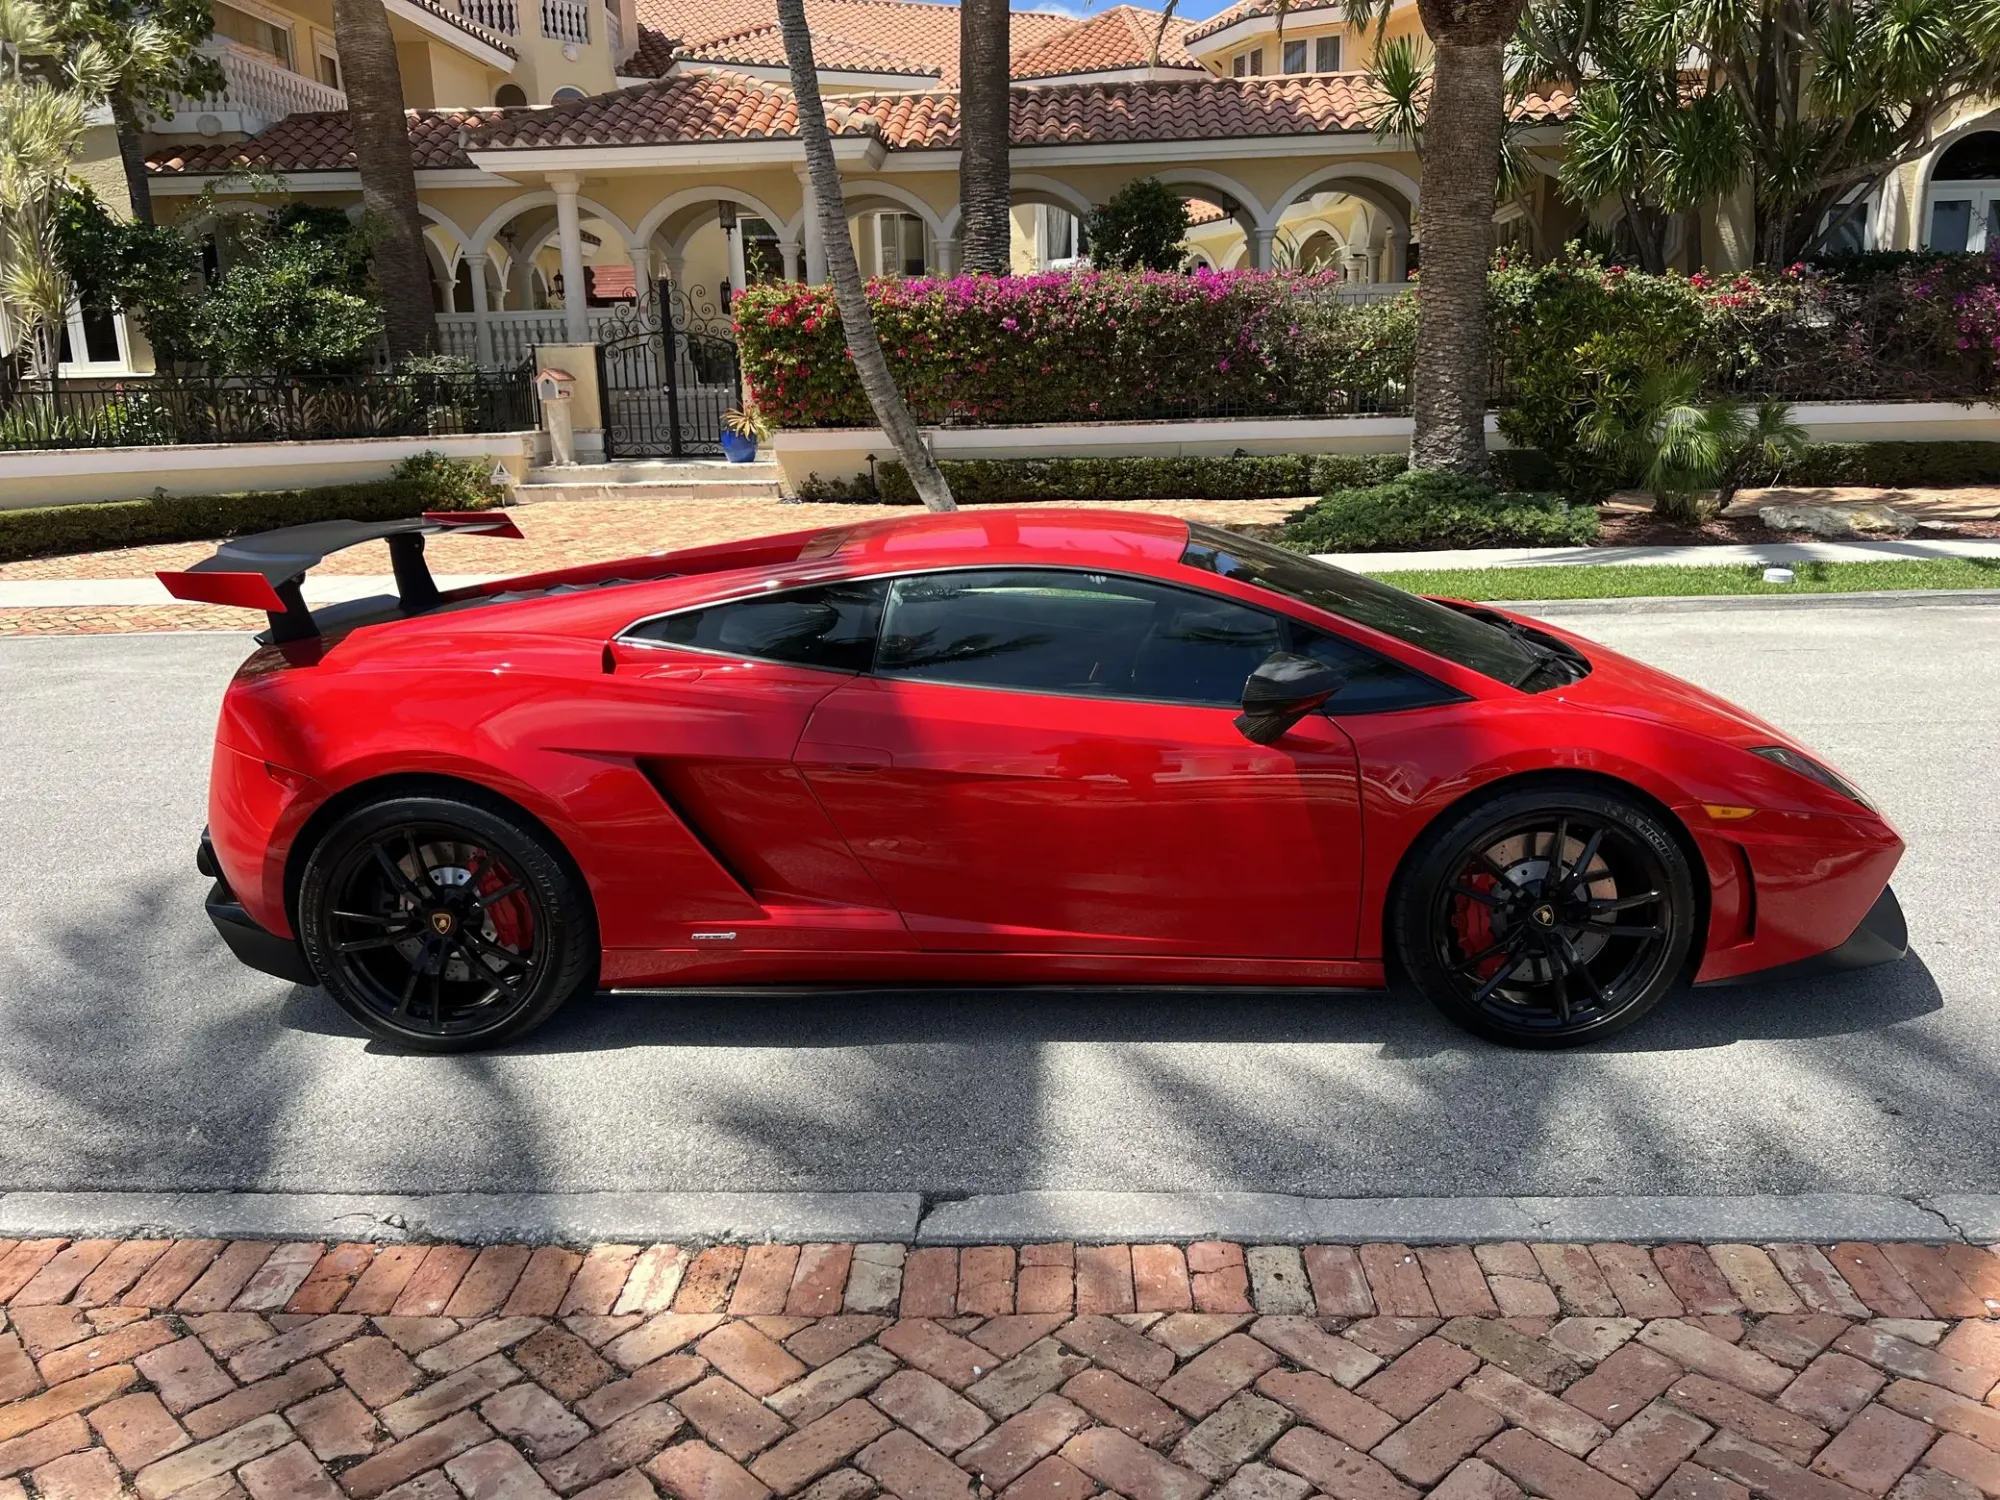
(208, 1370)
(556, 534)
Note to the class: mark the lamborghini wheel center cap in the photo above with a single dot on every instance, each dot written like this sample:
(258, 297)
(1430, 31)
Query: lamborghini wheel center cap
(1544, 916)
(443, 923)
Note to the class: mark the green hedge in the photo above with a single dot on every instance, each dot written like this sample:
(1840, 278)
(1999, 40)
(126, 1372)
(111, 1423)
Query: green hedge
(47, 531)
(1009, 481)
(1415, 511)
(1892, 466)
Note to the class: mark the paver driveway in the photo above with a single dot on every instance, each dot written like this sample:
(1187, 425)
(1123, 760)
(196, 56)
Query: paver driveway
(1044, 1372)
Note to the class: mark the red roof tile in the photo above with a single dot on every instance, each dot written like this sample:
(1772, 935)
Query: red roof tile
(1244, 10)
(764, 46)
(320, 142)
(1119, 38)
(652, 57)
(922, 33)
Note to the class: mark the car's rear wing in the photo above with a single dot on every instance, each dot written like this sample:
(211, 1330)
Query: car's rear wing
(265, 571)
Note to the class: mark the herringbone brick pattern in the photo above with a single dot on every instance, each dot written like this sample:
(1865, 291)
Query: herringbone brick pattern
(215, 1371)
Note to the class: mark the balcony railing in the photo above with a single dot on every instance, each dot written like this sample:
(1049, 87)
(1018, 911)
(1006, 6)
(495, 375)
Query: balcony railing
(566, 20)
(257, 90)
(502, 16)
(614, 29)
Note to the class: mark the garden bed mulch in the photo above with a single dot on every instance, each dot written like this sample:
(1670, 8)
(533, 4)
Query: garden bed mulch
(1638, 528)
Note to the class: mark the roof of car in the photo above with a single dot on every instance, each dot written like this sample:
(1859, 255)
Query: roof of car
(1103, 534)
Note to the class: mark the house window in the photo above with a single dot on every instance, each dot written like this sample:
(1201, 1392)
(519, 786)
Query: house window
(1962, 207)
(1295, 57)
(91, 336)
(762, 259)
(326, 62)
(899, 245)
(1063, 239)
(567, 95)
(254, 32)
(1256, 62)
(510, 96)
(1241, 65)
(1326, 54)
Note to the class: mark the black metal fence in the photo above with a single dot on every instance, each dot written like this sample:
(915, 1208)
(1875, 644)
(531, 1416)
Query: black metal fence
(145, 410)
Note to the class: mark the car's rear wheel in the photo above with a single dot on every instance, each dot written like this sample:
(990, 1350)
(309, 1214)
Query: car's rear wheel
(1547, 916)
(445, 925)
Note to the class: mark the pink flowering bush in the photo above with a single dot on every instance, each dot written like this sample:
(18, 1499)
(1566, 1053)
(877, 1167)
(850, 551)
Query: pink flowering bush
(1068, 347)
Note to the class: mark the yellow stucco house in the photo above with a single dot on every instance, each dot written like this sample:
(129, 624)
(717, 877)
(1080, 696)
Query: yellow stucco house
(608, 147)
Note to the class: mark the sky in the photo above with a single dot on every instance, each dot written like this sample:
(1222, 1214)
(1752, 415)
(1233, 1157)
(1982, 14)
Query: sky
(1192, 10)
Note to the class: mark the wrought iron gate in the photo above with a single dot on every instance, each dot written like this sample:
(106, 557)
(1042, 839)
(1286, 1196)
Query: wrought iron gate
(669, 373)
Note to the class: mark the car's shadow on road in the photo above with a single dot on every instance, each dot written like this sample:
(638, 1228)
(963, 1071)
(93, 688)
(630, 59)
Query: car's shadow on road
(1398, 1020)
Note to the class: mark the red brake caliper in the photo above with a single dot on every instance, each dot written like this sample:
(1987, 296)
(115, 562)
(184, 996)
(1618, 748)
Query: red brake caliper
(1472, 921)
(513, 923)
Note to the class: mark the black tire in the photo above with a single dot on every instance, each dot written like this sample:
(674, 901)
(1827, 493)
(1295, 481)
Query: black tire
(1528, 952)
(403, 899)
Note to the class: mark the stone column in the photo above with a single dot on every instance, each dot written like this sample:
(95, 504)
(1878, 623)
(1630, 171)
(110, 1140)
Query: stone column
(1260, 248)
(739, 270)
(569, 235)
(944, 255)
(1398, 244)
(815, 246)
(482, 331)
(789, 249)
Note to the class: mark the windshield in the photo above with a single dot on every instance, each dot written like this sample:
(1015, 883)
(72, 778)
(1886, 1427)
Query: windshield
(1483, 647)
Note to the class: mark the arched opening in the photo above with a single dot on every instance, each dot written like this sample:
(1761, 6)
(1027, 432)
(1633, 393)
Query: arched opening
(1962, 203)
(510, 96)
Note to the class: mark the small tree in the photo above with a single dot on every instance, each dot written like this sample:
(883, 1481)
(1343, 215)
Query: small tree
(151, 45)
(293, 304)
(1682, 446)
(149, 273)
(1143, 228)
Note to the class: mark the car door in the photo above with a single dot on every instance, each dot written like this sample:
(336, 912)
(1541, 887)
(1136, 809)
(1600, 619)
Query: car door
(711, 702)
(1044, 760)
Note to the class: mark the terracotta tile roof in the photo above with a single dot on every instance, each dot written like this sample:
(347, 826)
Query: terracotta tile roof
(320, 142)
(729, 106)
(653, 55)
(1201, 211)
(764, 46)
(1119, 38)
(718, 106)
(1244, 10)
(450, 14)
(920, 32)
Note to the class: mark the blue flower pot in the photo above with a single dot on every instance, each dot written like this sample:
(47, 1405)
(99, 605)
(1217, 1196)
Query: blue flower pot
(738, 448)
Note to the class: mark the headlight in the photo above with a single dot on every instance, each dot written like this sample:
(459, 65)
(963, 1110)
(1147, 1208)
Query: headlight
(1806, 766)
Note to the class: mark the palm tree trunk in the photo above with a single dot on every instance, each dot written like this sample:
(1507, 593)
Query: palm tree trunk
(381, 133)
(1462, 131)
(870, 364)
(132, 153)
(985, 191)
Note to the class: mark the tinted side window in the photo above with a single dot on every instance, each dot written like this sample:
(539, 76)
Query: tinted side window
(1374, 684)
(1050, 631)
(831, 626)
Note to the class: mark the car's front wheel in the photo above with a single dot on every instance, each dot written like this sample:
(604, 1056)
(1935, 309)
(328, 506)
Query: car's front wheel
(445, 925)
(1547, 916)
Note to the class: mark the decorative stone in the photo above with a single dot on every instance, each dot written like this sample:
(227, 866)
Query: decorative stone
(1867, 519)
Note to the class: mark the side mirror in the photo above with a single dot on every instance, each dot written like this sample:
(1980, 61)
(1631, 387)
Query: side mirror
(1282, 691)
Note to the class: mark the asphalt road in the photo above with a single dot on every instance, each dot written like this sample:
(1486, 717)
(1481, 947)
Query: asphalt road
(135, 1053)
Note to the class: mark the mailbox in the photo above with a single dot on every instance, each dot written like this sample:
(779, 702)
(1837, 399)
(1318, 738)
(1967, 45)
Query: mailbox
(555, 385)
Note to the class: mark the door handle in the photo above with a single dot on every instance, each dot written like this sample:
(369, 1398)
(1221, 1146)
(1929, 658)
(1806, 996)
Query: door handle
(825, 757)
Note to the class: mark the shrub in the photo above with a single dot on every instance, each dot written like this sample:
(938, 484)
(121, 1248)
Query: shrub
(49, 530)
(1891, 465)
(1141, 228)
(451, 483)
(1081, 347)
(1010, 481)
(1437, 509)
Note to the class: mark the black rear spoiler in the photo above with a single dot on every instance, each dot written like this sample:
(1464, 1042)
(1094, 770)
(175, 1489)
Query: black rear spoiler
(265, 571)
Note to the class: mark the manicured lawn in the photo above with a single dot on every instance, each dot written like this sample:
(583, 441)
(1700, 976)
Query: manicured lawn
(1587, 581)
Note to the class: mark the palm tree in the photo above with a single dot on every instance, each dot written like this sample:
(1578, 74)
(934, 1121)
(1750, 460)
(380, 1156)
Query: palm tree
(985, 191)
(381, 133)
(151, 45)
(1464, 120)
(871, 366)
(47, 90)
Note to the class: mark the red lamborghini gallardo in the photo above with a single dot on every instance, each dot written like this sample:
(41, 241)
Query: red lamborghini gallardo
(1005, 746)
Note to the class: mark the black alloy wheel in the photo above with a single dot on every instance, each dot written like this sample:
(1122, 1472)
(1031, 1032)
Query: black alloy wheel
(445, 926)
(1547, 917)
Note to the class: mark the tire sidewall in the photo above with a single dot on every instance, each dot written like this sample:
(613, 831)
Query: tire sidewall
(1446, 846)
(572, 939)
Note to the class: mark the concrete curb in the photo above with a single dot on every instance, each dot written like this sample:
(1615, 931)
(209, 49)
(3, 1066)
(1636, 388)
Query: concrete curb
(465, 1218)
(1003, 1218)
(1270, 1218)
(1687, 603)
